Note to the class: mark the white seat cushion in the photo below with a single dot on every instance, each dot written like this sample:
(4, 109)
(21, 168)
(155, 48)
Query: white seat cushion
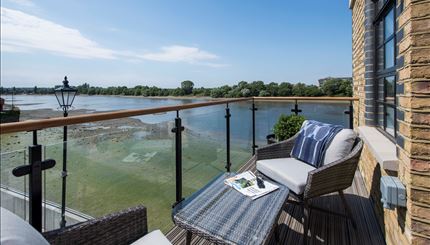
(290, 172)
(153, 238)
(16, 231)
(340, 146)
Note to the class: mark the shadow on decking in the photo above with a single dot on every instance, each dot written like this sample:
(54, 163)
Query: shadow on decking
(324, 228)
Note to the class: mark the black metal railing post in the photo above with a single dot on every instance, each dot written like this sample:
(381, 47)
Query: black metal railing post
(64, 179)
(350, 112)
(178, 151)
(253, 109)
(35, 186)
(30, 211)
(227, 130)
(34, 137)
(296, 109)
(34, 170)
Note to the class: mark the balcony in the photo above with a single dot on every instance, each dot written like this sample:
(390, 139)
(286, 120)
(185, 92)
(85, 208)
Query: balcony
(324, 228)
(114, 161)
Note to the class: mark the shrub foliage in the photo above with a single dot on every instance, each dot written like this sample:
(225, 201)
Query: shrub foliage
(287, 126)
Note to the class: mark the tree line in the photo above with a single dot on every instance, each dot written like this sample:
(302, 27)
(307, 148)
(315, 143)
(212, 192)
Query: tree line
(331, 87)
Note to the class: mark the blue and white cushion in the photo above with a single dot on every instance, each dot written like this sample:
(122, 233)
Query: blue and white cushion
(313, 141)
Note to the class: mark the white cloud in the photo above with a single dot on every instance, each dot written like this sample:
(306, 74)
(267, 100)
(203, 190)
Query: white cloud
(12, 48)
(24, 32)
(25, 3)
(21, 32)
(177, 53)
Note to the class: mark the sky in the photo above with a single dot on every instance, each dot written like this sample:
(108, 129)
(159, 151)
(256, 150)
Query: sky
(161, 43)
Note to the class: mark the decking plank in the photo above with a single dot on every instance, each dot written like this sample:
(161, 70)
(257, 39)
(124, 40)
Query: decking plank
(324, 228)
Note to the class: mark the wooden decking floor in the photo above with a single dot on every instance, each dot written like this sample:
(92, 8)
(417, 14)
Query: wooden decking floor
(324, 228)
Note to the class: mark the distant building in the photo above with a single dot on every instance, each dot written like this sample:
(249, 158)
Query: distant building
(323, 80)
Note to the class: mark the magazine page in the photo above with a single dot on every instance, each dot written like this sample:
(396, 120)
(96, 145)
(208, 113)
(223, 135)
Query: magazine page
(246, 183)
(268, 187)
(235, 180)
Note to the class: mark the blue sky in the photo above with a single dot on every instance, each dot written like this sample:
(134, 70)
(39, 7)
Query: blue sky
(162, 43)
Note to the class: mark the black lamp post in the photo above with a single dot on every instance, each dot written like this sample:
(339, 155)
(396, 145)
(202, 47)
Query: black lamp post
(65, 96)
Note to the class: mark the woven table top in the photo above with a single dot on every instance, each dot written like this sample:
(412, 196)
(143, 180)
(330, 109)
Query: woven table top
(221, 214)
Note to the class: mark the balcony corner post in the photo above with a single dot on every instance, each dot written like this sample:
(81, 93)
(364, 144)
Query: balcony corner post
(178, 159)
(35, 186)
(350, 112)
(253, 109)
(227, 121)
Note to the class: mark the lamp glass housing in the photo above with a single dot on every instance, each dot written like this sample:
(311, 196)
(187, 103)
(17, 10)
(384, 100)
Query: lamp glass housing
(65, 96)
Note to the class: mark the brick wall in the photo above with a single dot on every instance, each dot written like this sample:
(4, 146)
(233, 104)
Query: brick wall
(410, 225)
(413, 143)
(358, 61)
(392, 222)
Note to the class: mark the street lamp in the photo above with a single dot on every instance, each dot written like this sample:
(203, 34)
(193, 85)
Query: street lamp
(65, 96)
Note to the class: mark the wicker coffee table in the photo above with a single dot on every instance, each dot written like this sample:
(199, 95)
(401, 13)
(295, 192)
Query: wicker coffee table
(222, 215)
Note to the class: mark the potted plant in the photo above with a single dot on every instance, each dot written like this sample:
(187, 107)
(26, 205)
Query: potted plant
(285, 127)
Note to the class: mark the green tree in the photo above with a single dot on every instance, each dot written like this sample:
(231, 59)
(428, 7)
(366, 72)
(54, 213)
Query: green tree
(91, 91)
(217, 93)
(337, 87)
(242, 84)
(178, 92)
(264, 93)
(245, 92)
(299, 89)
(312, 90)
(285, 89)
(256, 87)
(187, 86)
(272, 88)
(83, 89)
(332, 87)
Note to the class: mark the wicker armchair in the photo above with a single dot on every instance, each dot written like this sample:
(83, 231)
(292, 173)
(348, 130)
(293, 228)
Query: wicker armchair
(123, 227)
(332, 177)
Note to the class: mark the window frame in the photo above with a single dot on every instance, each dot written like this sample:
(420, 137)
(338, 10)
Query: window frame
(383, 73)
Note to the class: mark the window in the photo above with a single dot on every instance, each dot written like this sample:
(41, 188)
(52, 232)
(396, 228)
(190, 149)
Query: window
(385, 33)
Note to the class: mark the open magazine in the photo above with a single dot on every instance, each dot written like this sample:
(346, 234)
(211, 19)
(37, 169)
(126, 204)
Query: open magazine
(246, 183)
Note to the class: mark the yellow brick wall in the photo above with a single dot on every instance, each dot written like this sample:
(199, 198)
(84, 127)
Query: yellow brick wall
(358, 61)
(410, 225)
(414, 154)
(392, 221)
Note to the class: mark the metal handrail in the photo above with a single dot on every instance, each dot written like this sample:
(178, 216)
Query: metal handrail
(299, 98)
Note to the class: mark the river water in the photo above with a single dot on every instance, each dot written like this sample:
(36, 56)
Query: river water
(208, 119)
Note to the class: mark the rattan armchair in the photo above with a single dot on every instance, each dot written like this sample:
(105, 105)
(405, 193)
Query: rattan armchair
(332, 177)
(123, 227)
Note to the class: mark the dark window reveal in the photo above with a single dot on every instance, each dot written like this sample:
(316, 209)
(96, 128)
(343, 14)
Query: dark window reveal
(385, 33)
